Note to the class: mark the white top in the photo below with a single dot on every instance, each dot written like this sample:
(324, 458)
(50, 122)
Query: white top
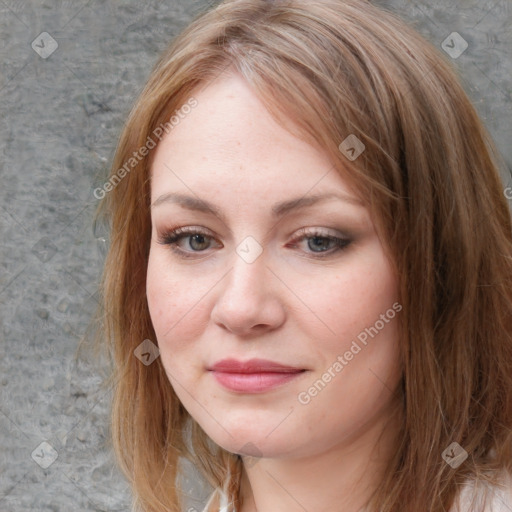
(471, 499)
(223, 502)
(486, 498)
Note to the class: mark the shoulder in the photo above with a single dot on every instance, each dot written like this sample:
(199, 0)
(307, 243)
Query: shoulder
(484, 497)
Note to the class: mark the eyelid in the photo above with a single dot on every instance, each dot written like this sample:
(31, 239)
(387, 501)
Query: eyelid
(318, 231)
(165, 235)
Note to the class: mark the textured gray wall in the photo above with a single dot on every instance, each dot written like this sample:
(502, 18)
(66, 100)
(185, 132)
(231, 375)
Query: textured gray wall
(60, 119)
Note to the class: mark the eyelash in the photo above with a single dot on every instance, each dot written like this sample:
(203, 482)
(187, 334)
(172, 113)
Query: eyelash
(172, 237)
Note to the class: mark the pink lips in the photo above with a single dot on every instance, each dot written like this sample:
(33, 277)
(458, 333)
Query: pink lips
(253, 376)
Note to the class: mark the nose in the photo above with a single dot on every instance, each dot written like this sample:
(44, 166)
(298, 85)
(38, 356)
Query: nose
(248, 301)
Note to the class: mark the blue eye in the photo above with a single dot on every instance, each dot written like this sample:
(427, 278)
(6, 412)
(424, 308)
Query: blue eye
(199, 241)
(326, 243)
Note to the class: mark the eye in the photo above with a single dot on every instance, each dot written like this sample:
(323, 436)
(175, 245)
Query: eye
(198, 240)
(320, 243)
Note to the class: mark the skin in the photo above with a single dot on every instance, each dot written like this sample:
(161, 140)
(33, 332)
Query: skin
(289, 305)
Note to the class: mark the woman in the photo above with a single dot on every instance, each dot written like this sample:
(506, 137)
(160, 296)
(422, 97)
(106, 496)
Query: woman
(308, 290)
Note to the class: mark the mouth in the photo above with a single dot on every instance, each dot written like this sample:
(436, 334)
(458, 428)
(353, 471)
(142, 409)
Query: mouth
(253, 376)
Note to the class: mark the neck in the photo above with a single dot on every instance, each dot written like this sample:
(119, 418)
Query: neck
(341, 478)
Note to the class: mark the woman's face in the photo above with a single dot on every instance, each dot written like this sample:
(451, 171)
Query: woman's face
(277, 260)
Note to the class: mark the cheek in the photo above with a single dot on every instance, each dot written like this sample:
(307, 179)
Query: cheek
(175, 303)
(367, 318)
(361, 311)
(353, 300)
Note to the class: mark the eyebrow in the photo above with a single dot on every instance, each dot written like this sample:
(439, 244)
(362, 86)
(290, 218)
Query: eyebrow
(278, 209)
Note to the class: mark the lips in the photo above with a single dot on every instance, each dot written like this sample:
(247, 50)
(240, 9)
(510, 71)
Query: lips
(253, 366)
(253, 376)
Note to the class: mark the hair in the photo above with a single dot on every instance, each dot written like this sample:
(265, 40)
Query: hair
(430, 176)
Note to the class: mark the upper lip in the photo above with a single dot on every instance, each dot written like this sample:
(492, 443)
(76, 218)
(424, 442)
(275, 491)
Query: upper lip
(252, 366)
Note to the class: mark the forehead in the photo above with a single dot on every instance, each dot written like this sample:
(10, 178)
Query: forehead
(229, 141)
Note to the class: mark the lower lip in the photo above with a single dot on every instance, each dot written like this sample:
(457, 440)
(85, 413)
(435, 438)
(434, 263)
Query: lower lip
(254, 382)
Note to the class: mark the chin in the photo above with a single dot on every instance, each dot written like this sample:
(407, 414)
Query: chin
(252, 442)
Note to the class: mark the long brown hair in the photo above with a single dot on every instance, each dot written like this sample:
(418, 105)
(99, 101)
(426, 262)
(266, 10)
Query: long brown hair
(429, 173)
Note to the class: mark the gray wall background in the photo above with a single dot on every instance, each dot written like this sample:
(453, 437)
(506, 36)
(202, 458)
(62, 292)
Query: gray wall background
(60, 118)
